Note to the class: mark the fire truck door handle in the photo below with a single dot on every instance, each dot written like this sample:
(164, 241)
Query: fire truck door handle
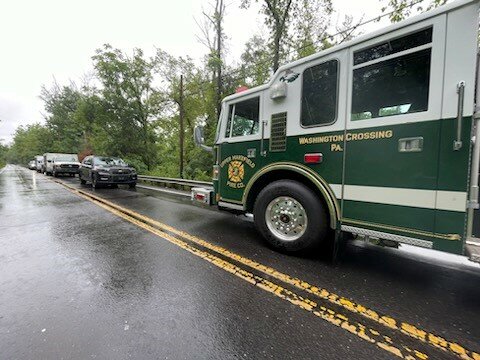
(263, 152)
(457, 143)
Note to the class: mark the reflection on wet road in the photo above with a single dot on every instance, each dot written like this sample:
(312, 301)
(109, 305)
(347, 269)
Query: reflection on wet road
(81, 280)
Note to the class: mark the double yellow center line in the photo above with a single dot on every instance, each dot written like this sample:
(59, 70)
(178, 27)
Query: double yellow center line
(229, 261)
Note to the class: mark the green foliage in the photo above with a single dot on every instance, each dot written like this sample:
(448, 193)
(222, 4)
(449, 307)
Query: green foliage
(61, 103)
(3, 155)
(294, 26)
(29, 141)
(133, 109)
(256, 63)
(310, 28)
(137, 163)
(128, 101)
(402, 9)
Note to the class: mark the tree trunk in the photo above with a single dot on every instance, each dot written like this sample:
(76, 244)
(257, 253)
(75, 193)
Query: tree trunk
(219, 20)
(276, 52)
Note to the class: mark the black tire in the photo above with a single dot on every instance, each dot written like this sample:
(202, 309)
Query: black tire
(55, 174)
(83, 182)
(132, 185)
(315, 233)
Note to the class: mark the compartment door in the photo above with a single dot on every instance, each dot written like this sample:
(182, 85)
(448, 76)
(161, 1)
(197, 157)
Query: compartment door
(393, 132)
(458, 100)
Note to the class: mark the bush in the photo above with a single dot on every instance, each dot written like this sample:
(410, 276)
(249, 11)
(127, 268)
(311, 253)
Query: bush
(137, 163)
(166, 169)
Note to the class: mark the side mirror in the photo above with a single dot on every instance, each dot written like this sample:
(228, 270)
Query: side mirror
(199, 139)
(198, 136)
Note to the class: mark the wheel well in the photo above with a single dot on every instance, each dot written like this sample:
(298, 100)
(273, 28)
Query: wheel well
(275, 175)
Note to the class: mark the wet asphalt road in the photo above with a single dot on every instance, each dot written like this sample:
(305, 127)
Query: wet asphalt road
(77, 281)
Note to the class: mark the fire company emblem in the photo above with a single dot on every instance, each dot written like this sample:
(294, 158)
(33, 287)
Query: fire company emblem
(236, 171)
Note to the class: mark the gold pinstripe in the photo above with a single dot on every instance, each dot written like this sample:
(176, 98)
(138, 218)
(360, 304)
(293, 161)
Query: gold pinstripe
(320, 183)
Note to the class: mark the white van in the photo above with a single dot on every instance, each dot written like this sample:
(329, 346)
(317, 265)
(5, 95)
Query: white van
(47, 167)
(39, 163)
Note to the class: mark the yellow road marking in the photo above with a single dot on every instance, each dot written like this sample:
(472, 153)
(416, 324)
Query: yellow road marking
(405, 328)
(370, 335)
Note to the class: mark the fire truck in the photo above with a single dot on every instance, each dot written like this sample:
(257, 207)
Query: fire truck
(377, 138)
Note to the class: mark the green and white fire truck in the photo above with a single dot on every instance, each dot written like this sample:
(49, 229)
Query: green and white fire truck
(377, 137)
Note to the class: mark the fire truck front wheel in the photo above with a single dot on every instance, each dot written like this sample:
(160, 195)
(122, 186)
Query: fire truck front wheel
(290, 216)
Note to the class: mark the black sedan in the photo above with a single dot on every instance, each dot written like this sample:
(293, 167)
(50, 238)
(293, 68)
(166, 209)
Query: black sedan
(106, 170)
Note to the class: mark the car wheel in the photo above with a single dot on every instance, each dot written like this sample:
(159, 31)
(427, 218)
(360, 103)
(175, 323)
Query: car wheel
(290, 216)
(55, 174)
(132, 185)
(83, 182)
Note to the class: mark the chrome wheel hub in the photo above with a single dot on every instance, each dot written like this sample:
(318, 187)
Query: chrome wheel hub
(286, 218)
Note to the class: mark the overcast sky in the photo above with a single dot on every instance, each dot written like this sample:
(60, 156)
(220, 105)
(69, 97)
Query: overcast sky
(43, 40)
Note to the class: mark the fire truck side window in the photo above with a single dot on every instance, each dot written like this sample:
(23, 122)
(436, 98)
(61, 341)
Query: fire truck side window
(395, 86)
(319, 94)
(245, 117)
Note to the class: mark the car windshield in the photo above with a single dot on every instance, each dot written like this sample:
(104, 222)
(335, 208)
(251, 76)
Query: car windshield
(66, 157)
(109, 161)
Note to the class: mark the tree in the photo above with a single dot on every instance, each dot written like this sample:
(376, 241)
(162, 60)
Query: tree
(61, 104)
(346, 31)
(129, 98)
(294, 25)
(277, 18)
(3, 155)
(255, 65)
(30, 140)
(199, 96)
(402, 9)
(212, 36)
(310, 28)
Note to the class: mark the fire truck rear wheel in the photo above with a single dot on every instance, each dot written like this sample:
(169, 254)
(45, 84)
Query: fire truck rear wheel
(290, 216)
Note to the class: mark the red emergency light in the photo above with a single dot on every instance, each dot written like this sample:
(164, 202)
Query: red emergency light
(313, 158)
(241, 89)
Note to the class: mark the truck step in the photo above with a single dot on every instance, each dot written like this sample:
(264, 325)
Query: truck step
(472, 249)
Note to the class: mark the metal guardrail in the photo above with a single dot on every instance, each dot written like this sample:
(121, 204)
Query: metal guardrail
(173, 182)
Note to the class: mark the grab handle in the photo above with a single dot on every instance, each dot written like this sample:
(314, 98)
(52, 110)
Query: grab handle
(263, 152)
(457, 143)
